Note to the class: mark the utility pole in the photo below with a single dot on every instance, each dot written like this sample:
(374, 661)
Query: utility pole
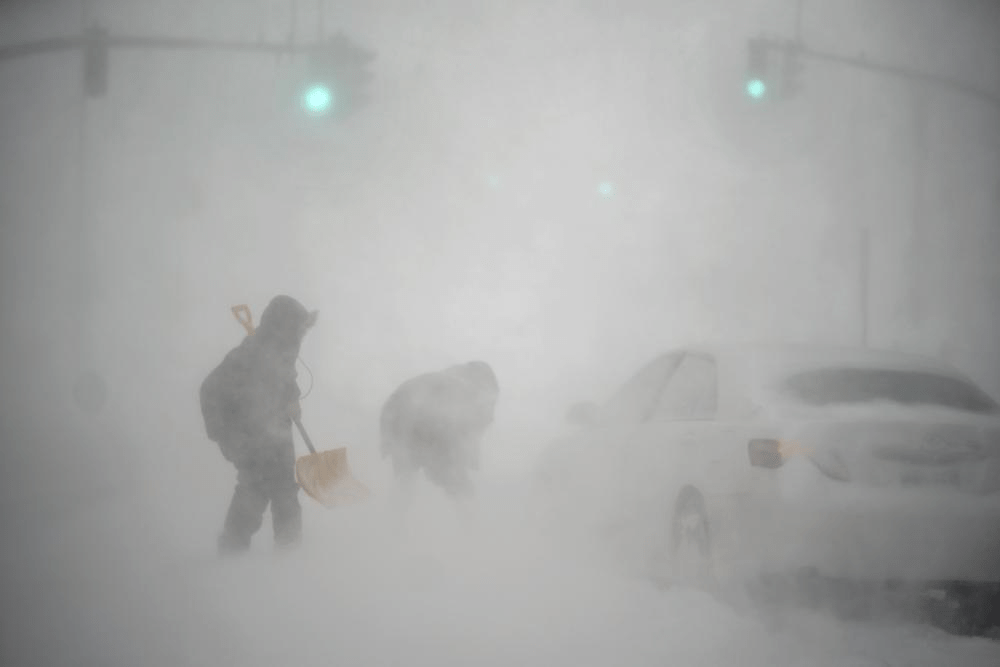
(864, 295)
(83, 284)
(798, 21)
(917, 261)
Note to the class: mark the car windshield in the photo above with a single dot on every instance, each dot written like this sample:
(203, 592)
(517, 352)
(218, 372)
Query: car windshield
(635, 399)
(832, 386)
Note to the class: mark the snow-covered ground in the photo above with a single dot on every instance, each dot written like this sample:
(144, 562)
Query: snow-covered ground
(109, 560)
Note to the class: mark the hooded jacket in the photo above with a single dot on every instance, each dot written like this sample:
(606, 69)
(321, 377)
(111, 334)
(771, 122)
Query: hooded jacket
(448, 409)
(248, 399)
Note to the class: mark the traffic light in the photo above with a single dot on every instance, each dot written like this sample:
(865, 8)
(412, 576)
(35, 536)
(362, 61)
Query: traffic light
(792, 79)
(95, 62)
(317, 99)
(757, 85)
(337, 79)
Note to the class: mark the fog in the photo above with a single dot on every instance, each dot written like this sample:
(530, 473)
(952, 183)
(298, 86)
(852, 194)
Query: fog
(564, 189)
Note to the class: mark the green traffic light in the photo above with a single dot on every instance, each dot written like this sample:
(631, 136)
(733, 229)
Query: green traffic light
(756, 88)
(317, 99)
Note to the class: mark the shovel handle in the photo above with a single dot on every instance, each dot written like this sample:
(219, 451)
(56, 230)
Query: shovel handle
(243, 316)
(305, 436)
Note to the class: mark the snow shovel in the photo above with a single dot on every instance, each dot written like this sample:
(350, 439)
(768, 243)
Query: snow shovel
(326, 476)
(323, 475)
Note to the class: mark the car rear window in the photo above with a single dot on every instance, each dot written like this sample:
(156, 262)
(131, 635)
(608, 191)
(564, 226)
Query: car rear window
(831, 386)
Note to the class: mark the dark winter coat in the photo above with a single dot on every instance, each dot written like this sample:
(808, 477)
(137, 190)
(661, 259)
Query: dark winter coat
(436, 420)
(248, 400)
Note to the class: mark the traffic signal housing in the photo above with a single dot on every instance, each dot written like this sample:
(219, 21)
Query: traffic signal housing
(338, 77)
(95, 61)
(757, 84)
(792, 79)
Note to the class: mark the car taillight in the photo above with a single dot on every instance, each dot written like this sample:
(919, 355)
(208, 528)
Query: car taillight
(766, 453)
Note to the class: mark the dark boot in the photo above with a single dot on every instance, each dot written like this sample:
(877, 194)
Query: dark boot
(286, 512)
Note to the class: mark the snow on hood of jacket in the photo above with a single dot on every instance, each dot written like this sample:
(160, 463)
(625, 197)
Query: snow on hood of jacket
(285, 322)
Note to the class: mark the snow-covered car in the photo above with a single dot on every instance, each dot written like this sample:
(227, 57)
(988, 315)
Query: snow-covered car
(853, 463)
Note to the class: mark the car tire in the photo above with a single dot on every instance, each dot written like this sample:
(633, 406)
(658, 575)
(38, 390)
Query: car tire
(691, 543)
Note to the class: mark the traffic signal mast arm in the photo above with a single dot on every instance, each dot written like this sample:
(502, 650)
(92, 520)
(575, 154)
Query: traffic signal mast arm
(190, 44)
(155, 42)
(797, 49)
(41, 46)
(337, 65)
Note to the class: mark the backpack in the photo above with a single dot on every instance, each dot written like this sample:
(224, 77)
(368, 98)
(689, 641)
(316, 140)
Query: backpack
(213, 405)
(216, 391)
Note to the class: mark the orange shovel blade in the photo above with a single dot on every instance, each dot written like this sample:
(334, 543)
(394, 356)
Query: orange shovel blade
(327, 477)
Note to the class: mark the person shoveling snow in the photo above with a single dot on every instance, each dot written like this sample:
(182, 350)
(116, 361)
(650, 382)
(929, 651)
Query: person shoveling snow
(249, 402)
(435, 422)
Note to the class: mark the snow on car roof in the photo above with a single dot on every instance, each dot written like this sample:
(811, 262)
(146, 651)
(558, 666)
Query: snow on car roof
(802, 356)
(750, 374)
(766, 362)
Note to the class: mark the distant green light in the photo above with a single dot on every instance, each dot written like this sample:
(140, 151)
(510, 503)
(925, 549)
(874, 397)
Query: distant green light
(317, 99)
(756, 88)
(606, 189)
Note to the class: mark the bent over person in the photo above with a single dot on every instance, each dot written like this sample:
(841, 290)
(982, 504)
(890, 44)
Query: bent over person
(248, 403)
(435, 423)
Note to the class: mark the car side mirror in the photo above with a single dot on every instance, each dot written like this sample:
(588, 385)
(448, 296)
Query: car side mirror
(583, 414)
